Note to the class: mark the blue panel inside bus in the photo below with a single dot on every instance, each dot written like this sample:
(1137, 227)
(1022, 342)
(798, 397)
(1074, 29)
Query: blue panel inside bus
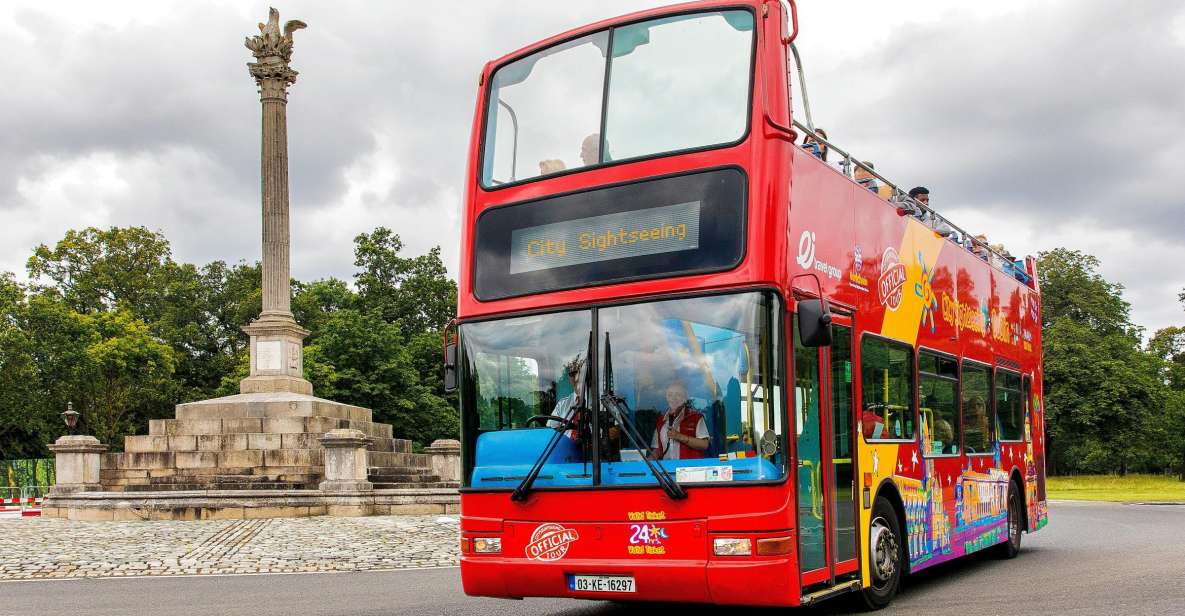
(504, 458)
(513, 447)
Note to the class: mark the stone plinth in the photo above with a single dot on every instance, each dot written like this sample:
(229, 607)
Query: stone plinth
(77, 462)
(346, 468)
(277, 357)
(243, 504)
(446, 459)
(260, 441)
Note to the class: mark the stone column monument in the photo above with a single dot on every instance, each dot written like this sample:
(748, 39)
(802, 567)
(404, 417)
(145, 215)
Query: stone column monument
(277, 341)
(271, 435)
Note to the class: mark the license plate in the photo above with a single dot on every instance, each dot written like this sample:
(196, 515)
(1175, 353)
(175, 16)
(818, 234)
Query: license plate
(601, 583)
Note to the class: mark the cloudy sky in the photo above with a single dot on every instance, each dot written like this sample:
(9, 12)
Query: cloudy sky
(1046, 124)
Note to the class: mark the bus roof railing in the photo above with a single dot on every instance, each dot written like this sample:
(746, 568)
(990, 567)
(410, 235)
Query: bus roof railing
(907, 205)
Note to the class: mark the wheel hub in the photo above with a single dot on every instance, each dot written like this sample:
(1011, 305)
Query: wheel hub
(885, 551)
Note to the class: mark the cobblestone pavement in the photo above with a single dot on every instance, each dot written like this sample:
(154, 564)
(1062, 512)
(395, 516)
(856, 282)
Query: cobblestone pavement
(42, 548)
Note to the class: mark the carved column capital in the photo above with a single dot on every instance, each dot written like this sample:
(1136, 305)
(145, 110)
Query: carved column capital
(272, 49)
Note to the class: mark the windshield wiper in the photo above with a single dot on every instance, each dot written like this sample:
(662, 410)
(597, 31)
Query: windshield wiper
(616, 406)
(524, 488)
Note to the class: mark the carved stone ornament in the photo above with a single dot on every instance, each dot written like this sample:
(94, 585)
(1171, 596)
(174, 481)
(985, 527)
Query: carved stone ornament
(273, 49)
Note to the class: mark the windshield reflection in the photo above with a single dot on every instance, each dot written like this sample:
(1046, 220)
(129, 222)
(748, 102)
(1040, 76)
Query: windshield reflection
(695, 382)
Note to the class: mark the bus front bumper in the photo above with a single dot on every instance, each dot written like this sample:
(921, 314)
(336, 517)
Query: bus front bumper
(740, 581)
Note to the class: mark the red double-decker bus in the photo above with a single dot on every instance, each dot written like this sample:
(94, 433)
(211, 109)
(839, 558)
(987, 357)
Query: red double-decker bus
(698, 363)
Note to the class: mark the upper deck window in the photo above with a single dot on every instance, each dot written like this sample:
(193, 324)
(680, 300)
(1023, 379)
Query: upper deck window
(674, 84)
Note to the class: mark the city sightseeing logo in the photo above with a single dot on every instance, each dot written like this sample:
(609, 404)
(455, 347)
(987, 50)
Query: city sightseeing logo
(806, 257)
(806, 250)
(892, 279)
(550, 542)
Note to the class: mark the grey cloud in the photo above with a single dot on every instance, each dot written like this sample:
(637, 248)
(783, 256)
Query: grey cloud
(1067, 111)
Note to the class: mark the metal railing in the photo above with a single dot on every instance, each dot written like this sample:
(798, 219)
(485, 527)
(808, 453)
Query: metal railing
(22, 499)
(907, 205)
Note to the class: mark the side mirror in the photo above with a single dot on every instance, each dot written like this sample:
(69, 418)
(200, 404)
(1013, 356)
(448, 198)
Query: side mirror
(450, 367)
(814, 323)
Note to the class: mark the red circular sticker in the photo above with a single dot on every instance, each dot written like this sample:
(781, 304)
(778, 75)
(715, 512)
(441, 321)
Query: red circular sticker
(550, 542)
(892, 279)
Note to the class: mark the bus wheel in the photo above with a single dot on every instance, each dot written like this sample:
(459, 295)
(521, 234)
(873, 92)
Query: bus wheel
(1010, 548)
(884, 555)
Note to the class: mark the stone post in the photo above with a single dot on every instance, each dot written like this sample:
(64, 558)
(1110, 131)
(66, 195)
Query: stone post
(345, 461)
(77, 459)
(277, 341)
(446, 458)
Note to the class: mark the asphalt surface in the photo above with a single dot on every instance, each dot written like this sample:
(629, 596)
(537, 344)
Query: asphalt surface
(1091, 559)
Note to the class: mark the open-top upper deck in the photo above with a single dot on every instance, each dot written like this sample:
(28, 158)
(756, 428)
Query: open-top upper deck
(652, 153)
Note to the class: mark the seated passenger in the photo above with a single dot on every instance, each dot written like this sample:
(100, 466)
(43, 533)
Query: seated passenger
(590, 150)
(976, 429)
(810, 144)
(944, 435)
(551, 165)
(865, 178)
(681, 432)
(874, 424)
(921, 194)
(979, 246)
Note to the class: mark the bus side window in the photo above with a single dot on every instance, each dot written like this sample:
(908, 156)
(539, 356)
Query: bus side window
(887, 390)
(976, 398)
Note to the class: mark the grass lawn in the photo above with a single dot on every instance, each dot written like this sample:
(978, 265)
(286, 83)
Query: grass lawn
(1132, 488)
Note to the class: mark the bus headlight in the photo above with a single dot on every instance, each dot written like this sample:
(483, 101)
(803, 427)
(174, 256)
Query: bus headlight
(487, 545)
(732, 546)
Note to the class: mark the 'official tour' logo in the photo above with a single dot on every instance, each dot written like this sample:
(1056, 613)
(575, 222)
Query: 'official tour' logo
(892, 279)
(550, 542)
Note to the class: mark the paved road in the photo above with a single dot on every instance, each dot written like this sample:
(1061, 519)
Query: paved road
(1091, 559)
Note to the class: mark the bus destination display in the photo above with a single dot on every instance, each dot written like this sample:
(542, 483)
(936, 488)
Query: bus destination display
(607, 237)
(667, 226)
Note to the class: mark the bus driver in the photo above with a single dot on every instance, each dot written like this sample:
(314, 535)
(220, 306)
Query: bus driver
(569, 408)
(681, 432)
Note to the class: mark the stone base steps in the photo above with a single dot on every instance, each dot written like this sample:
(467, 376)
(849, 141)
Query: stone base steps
(417, 485)
(247, 440)
(246, 504)
(405, 477)
(269, 425)
(239, 407)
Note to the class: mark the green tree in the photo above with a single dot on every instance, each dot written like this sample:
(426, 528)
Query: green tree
(1168, 346)
(416, 291)
(26, 424)
(1101, 389)
(98, 269)
(361, 359)
(130, 376)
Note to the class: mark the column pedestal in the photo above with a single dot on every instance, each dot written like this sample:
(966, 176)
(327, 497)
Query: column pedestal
(346, 461)
(77, 462)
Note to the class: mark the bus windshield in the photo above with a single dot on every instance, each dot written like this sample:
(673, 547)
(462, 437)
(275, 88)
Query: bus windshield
(674, 83)
(697, 380)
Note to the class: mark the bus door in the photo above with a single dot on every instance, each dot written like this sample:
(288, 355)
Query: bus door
(841, 484)
(826, 512)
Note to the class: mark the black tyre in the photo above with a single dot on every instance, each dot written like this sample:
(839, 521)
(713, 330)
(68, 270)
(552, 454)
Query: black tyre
(886, 555)
(1015, 526)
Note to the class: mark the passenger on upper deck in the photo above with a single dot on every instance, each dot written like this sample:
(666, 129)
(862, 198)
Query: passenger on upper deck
(590, 154)
(867, 180)
(810, 144)
(864, 178)
(980, 246)
(681, 432)
(590, 149)
(921, 194)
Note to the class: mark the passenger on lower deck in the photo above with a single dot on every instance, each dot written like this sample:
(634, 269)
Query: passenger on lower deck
(681, 432)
